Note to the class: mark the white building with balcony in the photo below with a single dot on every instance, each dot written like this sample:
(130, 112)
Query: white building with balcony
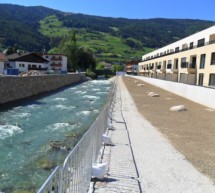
(57, 62)
(190, 60)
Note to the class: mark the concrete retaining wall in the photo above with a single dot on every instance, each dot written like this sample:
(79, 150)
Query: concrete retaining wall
(202, 95)
(15, 88)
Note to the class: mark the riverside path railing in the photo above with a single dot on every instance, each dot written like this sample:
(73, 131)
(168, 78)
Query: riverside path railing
(75, 174)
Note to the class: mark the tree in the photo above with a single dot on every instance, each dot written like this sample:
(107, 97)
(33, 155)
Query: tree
(100, 66)
(85, 58)
(78, 57)
(69, 47)
(116, 67)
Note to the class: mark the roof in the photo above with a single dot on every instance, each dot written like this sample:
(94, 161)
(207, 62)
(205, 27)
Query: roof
(47, 54)
(2, 57)
(26, 57)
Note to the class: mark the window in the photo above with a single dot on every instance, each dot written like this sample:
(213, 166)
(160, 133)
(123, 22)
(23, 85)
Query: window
(201, 42)
(191, 45)
(177, 49)
(183, 63)
(152, 66)
(202, 61)
(213, 58)
(176, 63)
(201, 78)
(212, 80)
(169, 65)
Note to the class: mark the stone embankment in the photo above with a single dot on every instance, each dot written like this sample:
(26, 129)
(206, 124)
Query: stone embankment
(16, 88)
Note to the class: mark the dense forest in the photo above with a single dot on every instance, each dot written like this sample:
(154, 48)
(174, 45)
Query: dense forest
(22, 27)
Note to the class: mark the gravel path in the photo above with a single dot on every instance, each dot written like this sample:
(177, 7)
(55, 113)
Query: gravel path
(157, 166)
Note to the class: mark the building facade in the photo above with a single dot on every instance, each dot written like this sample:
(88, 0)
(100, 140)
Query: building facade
(190, 60)
(26, 61)
(3, 59)
(57, 62)
(131, 67)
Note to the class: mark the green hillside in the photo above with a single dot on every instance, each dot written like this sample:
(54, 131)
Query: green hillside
(112, 39)
(105, 46)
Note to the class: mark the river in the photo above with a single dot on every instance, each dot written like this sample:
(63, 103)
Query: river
(27, 130)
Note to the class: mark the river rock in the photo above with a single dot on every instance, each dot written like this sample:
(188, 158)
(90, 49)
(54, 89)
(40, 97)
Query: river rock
(152, 94)
(57, 145)
(45, 164)
(178, 108)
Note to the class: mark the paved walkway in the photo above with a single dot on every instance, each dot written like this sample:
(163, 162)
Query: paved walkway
(142, 159)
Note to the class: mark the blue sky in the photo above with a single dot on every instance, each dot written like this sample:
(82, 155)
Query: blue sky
(140, 9)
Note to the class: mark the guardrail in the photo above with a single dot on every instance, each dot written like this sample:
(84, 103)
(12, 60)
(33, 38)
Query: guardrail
(75, 174)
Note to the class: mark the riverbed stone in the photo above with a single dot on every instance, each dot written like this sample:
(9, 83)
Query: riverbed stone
(45, 164)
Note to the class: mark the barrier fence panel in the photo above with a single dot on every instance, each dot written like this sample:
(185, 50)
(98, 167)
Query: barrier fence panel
(75, 174)
(52, 184)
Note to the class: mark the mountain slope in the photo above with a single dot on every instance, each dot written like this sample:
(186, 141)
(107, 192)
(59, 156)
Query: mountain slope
(29, 28)
(19, 26)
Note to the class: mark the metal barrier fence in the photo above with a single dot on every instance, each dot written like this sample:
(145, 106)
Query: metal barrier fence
(75, 174)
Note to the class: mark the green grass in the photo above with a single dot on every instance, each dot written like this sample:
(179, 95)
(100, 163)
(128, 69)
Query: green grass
(105, 46)
(52, 27)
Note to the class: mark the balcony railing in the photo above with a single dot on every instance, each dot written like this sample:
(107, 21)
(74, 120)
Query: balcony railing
(56, 65)
(182, 50)
(192, 65)
(56, 59)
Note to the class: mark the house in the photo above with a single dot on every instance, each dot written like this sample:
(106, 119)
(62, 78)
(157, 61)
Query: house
(56, 62)
(132, 67)
(3, 59)
(190, 60)
(27, 61)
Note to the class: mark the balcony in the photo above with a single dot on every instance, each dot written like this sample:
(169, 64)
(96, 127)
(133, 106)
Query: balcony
(175, 71)
(158, 68)
(56, 64)
(163, 70)
(54, 58)
(192, 68)
(129, 70)
(151, 69)
(169, 68)
(182, 50)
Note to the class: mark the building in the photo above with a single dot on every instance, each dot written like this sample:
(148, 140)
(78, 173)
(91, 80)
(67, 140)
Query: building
(3, 59)
(132, 67)
(190, 60)
(56, 62)
(24, 62)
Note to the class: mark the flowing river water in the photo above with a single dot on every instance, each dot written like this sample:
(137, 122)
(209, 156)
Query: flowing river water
(27, 132)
